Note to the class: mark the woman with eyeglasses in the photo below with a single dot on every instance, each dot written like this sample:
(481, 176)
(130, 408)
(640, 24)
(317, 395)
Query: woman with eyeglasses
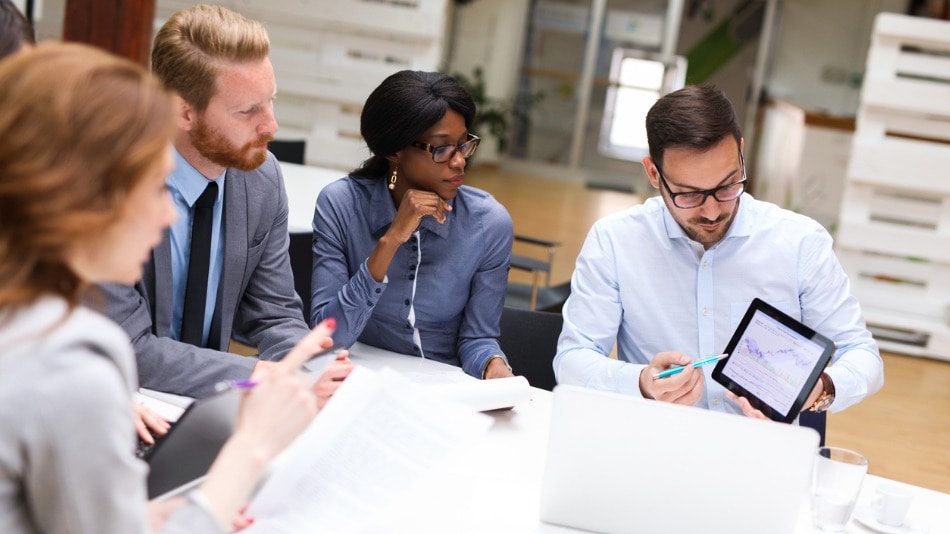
(406, 257)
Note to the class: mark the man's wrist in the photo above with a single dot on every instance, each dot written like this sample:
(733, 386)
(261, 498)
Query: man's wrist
(827, 395)
(643, 381)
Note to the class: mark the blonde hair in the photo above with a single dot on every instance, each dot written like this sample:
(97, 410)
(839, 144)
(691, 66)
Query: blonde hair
(190, 46)
(80, 128)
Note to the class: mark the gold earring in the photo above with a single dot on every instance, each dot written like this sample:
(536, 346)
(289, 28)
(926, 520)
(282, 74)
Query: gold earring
(392, 181)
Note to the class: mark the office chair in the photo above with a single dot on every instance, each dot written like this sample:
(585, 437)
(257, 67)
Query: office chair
(816, 420)
(538, 295)
(301, 258)
(529, 340)
(289, 150)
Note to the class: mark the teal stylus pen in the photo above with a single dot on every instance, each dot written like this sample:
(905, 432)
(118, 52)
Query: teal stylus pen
(698, 363)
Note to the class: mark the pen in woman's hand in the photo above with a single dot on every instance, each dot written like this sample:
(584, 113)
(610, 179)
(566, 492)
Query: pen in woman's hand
(228, 385)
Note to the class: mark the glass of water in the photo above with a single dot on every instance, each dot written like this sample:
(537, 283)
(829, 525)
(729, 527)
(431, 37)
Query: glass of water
(835, 487)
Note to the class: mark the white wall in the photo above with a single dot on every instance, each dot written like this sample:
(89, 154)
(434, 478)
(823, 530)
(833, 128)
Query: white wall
(490, 34)
(818, 57)
(820, 52)
(820, 46)
(48, 18)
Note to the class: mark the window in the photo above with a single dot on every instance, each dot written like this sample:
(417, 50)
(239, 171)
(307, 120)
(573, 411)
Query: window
(637, 80)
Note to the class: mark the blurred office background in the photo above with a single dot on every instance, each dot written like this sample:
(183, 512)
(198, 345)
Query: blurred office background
(863, 152)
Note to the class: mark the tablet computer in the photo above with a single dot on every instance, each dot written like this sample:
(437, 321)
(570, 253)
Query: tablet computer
(774, 361)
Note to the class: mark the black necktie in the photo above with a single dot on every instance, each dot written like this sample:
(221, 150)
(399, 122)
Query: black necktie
(196, 289)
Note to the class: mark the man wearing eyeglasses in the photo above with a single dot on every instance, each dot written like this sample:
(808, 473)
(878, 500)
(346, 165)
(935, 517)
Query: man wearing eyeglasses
(670, 279)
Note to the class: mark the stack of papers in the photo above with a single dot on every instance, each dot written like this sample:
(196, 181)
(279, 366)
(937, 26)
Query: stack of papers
(376, 439)
(166, 405)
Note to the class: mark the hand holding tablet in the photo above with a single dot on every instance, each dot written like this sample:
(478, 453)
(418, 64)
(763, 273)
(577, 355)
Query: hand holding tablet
(775, 361)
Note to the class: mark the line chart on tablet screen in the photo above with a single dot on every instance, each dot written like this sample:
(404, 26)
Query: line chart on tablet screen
(785, 364)
(772, 362)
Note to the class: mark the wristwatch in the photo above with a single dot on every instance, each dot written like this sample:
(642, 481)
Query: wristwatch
(827, 394)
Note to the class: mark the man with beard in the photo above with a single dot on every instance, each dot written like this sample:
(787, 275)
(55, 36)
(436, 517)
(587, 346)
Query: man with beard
(181, 315)
(670, 279)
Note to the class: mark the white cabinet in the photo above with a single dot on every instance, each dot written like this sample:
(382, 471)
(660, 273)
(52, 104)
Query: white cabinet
(802, 160)
(894, 231)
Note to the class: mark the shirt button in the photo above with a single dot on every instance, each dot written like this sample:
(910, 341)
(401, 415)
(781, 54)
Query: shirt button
(705, 312)
(408, 302)
(378, 290)
(412, 267)
(412, 277)
(415, 348)
(369, 302)
(705, 265)
(715, 401)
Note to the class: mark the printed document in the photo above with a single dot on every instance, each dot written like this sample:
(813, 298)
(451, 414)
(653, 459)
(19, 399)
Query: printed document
(378, 436)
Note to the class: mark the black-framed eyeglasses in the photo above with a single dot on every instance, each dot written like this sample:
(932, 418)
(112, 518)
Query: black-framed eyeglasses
(695, 199)
(443, 153)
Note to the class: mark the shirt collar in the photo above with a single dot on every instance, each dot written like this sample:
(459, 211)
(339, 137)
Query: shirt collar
(189, 182)
(382, 213)
(741, 225)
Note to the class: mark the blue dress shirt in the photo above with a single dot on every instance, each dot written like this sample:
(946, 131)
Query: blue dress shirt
(444, 290)
(641, 281)
(185, 185)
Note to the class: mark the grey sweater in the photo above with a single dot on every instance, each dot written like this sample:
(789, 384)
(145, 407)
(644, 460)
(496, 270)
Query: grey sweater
(66, 429)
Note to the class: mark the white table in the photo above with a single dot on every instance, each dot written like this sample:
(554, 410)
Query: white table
(500, 493)
(303, 183)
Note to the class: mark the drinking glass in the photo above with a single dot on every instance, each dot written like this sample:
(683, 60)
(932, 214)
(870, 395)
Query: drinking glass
(836, 484)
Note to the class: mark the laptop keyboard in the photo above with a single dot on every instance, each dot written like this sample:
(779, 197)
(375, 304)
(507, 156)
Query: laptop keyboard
(142, 448)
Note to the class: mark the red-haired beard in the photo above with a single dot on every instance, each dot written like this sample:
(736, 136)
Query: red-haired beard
(220, 151)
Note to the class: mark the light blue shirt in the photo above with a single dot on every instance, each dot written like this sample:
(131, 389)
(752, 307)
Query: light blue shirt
(444, 290)
(185, 185)
(641, 281)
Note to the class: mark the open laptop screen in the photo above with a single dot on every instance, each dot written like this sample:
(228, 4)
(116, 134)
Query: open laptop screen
(190, 447)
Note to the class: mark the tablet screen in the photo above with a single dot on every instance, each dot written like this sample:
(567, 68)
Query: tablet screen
(774, 360)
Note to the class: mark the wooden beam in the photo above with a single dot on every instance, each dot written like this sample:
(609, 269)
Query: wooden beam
(121, 27)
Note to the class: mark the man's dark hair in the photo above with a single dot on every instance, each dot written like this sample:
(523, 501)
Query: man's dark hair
(696, 117)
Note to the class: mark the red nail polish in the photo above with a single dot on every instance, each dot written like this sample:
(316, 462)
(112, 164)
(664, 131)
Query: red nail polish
(330, 322)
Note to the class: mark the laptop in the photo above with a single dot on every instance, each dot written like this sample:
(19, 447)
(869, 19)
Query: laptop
(187, 451)
(617, 463)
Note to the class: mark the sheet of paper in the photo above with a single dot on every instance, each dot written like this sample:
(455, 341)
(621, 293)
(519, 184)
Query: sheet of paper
(483, 395)
(155, 401)
(445, 377)
(378, 437)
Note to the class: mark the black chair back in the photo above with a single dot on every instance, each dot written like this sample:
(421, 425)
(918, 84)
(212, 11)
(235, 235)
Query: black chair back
(291, 151)
(301, 257)
(816, 420)
(529, 340)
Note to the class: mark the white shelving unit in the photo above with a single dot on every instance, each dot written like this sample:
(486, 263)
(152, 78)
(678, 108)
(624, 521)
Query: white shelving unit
(894, 234)
(328, 56)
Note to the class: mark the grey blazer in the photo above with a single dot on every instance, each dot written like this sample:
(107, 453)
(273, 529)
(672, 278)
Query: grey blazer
(66, 380)
(256, 295)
